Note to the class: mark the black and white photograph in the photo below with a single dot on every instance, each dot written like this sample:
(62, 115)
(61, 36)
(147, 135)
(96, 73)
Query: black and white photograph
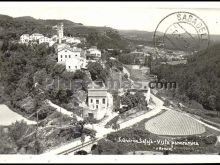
(109, 79)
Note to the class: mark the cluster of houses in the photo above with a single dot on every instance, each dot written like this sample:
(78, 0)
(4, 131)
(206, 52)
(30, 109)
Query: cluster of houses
(37, 38)
(67, 52)
(76, 58)
(100, 101)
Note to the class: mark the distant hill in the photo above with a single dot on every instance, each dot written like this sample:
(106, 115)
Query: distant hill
(145, 37)
(137, 35)
(103, 37)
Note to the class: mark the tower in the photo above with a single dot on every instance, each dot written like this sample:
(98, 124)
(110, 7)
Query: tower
(60, 32)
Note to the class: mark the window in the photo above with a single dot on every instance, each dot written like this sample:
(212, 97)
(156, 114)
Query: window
(97, 101)
(76, 55)
(61, 56)
(97, 106)
(76, 67)
(91, 101)
(69, 67)
(103, 101)
(69, 56)
(65, 56)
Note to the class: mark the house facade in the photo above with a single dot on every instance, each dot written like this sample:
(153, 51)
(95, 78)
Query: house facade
(72, 58)
(67, 53)
(77, 63)
(72, 40)
(99, 103)
(44, 40)
(24, 39)
(93, 54)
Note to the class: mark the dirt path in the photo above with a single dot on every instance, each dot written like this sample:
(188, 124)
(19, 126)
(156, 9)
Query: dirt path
(64, 111)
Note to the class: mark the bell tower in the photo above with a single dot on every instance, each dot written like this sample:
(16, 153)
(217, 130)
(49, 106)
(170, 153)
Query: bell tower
(60, 32)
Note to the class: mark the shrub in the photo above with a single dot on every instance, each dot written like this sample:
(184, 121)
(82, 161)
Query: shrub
(210, 140)
(112, 121)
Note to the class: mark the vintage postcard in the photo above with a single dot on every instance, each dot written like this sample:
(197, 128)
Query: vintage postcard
(132, 79)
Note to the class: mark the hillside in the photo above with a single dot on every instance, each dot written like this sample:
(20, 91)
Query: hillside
(199, 79)
(103, 37)
(137, 35)
(146, 38)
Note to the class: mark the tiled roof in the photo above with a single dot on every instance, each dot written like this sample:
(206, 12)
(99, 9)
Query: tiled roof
(37, 34)
(97, 92)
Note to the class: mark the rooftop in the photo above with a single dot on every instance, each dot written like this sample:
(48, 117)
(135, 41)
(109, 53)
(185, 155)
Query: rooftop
(96, 90)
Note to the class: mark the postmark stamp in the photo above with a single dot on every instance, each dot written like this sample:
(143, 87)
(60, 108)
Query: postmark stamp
(182, 31)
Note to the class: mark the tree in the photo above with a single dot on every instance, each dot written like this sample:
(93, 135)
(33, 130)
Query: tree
(212, 102)
(126, 58)
(137, 62)
(92, 135)
(95, 69)
(62, 96)
(79, 74)
(37, 146)
(92, 38)
(82, 138)
(126, 75)
(17, 131)
(94, 146)
(5, 45)
(116, 126)
(7, 144)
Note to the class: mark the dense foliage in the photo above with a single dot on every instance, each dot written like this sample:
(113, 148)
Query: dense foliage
(26, 71)
(110, 39)
(132, 101)
(198, 80)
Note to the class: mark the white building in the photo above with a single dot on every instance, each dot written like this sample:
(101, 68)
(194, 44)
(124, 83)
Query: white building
(54, 38)
(93, 53)
(77, 63)
(67, 53)
(99, 103)
(72, 40)
(73, 58)
(24, 39)
(51, 43)
(36, 36)
(44, 40)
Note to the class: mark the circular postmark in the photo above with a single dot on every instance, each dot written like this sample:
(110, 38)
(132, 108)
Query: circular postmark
(181, 31)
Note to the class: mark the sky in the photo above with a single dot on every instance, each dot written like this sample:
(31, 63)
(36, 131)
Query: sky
(119, 15)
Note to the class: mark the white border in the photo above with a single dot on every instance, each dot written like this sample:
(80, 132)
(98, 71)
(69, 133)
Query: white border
(110, 159)
(122, 158)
